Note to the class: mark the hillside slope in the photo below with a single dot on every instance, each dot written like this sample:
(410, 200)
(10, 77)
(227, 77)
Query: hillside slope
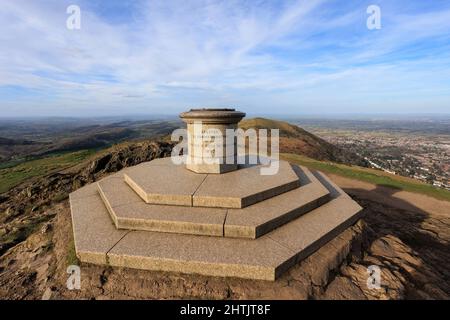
(64, 136)
(11, 147)
(294, 139)
(21, 207)
(409, 241)
(407, 235)
(373, 176)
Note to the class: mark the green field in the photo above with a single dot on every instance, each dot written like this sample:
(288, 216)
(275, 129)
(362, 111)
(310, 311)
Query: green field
(373, 176)
(16, 174)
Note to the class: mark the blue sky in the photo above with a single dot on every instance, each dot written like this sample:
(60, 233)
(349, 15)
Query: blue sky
(268, 57)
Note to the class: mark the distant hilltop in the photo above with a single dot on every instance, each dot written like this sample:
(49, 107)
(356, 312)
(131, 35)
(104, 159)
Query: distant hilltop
(294, 139)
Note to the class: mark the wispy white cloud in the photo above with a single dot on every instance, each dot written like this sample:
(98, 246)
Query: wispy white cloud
(171, 54)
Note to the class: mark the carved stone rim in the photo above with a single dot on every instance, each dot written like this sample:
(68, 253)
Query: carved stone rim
(213, 115)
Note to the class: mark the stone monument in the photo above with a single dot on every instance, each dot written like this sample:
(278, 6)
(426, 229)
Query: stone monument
(220, 220)
(204, 126)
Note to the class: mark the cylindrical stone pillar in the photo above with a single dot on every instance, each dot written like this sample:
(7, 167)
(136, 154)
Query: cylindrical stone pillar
(207, 152)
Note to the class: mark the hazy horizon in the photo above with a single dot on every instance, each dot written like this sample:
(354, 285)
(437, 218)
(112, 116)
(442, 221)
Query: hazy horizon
(338, 116)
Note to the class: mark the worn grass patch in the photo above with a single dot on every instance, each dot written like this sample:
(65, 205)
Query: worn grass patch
(71, 257)
(370, 175)
(12, 176)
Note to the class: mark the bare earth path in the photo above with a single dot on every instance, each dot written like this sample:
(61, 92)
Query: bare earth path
(410, 232)
(407, 235)
(396, 198)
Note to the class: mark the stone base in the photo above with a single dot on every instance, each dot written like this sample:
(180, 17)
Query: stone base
(165, 183)
(280, 231)
(128, 211)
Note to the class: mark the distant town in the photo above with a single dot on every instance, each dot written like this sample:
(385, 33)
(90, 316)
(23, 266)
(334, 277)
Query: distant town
(415, 149)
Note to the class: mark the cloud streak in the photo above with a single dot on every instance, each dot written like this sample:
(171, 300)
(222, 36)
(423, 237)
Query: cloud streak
(162, 56)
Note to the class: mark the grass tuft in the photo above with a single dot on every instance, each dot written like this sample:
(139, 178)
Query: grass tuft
(71, 257)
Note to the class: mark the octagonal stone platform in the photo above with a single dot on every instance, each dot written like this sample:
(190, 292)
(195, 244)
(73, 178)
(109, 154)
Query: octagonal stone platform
(129, 211)
(170, 184)
(297, 234)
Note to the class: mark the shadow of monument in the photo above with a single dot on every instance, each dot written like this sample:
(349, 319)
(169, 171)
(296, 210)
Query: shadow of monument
(387, 215)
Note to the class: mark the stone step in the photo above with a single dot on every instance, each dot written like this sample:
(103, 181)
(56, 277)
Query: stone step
(98, 241)
(93, 230)
(164, 182)
(128, 211)
(262, 217)
(244, 187)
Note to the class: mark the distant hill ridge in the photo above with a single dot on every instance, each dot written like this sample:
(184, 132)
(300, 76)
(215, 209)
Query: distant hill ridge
(11, 142)
(294, 139)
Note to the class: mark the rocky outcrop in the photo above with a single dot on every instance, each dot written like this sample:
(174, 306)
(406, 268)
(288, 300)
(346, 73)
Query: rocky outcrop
(411, 247)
